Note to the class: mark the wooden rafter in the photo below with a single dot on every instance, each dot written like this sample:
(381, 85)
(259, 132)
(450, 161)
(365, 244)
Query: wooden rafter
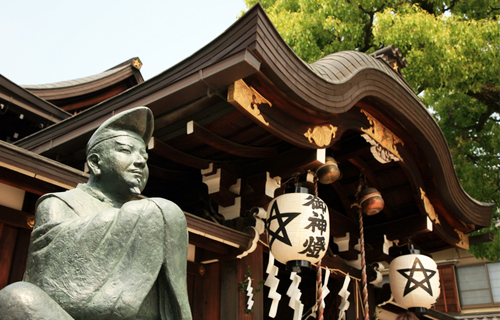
(210, 138)
(287, 163)
(164, 150)
(337, 263)
(161, 173)
(219, 233)
(399, 229)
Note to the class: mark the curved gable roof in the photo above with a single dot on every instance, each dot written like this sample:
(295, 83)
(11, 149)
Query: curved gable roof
(315, 93)
(78, 94)
(336, 83)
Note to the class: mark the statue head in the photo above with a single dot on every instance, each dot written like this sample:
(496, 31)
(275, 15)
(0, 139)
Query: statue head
(116, 154)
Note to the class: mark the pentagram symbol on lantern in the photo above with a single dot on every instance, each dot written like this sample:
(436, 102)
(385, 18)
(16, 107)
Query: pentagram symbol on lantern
(412, 283)
(276, 215)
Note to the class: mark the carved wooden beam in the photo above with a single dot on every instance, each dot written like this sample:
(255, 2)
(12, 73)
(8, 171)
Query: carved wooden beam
(451, 235)
(382, 139)
(208, 244)
(283, 120)
(164, 150)
(340, 225)
(482, 238)
(399, 229)
(155, 171)
(219, 182)
(210, 138)
(376, 253)
(29, 164)
(339, 189)
(219, 233)
(288, 162)
(27, 183)
(260, 190)
(16, 218)
(340, 268)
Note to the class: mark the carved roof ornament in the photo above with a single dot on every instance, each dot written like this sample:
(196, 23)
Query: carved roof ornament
(248, 98)
(393, 56)
(464, 240)
(383, 141)
(321, 135)
(137, 63)
(429, 208)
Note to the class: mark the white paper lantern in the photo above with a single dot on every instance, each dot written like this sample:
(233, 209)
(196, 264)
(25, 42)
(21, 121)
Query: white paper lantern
(298, 229)
(414, 280)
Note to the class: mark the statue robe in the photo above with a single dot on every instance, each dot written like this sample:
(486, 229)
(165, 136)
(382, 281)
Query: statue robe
(101, 262)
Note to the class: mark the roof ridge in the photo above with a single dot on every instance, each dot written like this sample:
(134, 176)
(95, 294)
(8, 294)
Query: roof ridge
(74, 82)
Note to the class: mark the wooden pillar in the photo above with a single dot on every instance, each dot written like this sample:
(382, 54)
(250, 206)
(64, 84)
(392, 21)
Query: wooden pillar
(20, 256)
(8, 236)
(229, 290)
(233, 300)
(204, 290)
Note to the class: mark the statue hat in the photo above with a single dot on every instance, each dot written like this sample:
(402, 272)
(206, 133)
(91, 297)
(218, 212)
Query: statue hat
(139, 120)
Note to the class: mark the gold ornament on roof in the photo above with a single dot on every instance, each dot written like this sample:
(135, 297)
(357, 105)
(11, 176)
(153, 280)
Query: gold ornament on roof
(322, 135)
(242, 95)
(381, 138)
(464, 240)
(429, 208)
(137, 63)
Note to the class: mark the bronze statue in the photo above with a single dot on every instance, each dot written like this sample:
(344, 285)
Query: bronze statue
(94, 253)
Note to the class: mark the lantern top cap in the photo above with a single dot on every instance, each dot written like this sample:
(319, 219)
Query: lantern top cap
(298, 189)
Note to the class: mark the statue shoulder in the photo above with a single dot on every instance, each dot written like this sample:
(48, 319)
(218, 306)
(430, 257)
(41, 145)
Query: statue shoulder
(50, 208)
(61, 205)
(65, 196)
(165, 204)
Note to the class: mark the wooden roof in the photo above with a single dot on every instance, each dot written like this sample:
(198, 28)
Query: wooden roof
(23, 113)
(79, 94)
(247, 105)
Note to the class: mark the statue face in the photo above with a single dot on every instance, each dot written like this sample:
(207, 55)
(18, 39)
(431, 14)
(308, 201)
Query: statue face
(122, 165)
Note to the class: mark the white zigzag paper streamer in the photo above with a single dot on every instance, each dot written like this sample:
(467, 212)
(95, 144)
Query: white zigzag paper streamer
(325, 289)
(272, 282)
(344, 305)
(294, 294)
(249, 294)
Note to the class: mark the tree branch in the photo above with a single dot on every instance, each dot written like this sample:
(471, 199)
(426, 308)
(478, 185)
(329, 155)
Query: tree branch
(489, 95)
(368, 27)
(492, 9)
(426, 5)
(451, 6)
(478, 126)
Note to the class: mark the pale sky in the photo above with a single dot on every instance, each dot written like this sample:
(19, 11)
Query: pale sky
(45, 41)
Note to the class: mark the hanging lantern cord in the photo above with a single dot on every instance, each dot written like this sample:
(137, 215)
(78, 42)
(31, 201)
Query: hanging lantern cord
(319, 284)
(319, 293)
(364, 282)
(315, 185)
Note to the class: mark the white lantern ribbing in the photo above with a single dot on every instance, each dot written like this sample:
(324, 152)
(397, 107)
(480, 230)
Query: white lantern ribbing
(414, 281)
(298, 229)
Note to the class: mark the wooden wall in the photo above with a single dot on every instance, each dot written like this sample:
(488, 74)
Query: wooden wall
(448, 300)
(14, 243)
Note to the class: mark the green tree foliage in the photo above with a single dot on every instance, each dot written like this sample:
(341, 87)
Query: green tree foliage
(452, 48)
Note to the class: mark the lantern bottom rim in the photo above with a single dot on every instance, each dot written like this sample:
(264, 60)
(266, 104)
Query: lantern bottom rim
(418, 310)
(298, 265)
